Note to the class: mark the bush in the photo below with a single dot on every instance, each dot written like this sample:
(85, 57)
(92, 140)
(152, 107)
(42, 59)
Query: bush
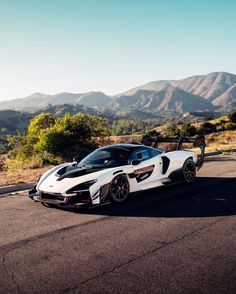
(3, 166)
(206, 128)
(50, 140)
(229, 126)
(41, 122)
(172, 130)
(129, 127)
(188, 130)
(220, 128)
(232, 117)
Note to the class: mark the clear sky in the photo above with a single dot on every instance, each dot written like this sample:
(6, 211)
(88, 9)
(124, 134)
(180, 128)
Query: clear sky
(53, 46)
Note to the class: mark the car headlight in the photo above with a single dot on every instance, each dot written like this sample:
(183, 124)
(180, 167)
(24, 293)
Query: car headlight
(83, 187)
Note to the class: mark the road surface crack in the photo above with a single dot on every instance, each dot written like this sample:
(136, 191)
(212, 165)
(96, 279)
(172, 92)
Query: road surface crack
(162, 245)
(9, 272)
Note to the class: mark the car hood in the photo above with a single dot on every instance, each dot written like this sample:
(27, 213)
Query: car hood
(61, 178)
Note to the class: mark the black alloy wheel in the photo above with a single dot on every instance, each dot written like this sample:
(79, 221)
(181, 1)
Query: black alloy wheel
(189, 171)
(119, 189)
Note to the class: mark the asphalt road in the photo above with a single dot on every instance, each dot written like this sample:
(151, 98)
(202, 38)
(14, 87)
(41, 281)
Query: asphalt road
(175, 239)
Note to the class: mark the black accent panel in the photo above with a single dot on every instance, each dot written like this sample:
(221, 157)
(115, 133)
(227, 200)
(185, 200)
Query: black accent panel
(55, 196)
(165, 164)
(118, 171)
(132, 175)
(176, 175)
(82, 186)
(77, 172)
(104, 193)
(73, 174)
(82, 197)
(142, 174)
(32, 192)
(66, 169)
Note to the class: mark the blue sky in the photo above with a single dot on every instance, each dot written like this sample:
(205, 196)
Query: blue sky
(53, 46)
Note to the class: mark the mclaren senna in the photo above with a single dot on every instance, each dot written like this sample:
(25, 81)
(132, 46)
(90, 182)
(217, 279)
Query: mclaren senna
(111, 173)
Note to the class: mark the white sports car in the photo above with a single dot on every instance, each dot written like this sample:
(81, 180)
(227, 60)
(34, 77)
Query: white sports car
(111, 173)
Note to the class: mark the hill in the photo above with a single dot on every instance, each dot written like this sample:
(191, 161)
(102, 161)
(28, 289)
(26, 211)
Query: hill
(37, 101)
(216, 87)
(227, 100)
(169, 98)
(214, 92)
(11, 120)
(61, 110)
(208, 86)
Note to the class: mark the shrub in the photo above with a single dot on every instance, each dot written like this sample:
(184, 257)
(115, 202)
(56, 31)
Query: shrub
(220, 128)
(206, 128)
(171, 130)
(41, 122)
(188, 130)
(229, 126)
(3, 166)
(232, 117)
(50, 140)
(129, 127)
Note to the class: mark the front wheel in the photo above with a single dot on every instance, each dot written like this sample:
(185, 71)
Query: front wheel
(189, 171)
(119, 189)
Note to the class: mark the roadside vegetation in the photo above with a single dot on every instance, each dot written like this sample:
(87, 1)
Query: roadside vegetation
(50, 140)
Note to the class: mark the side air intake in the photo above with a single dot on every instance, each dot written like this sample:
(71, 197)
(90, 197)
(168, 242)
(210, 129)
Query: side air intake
(165, 164)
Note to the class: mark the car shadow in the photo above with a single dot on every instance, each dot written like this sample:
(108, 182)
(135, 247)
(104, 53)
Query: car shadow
(205, 197)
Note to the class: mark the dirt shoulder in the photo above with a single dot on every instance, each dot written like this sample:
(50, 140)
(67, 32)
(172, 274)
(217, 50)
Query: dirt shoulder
(21, 175)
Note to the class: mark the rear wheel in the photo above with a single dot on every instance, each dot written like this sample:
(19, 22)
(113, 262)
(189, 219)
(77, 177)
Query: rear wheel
(189, 171)
(119, 189)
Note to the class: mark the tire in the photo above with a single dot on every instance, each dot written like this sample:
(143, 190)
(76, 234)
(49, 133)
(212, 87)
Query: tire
(119, 189)
(189, 171)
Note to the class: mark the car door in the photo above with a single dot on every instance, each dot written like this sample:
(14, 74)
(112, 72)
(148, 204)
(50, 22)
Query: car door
(149, 170)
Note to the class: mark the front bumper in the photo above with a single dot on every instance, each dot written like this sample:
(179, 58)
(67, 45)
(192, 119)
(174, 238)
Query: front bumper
(81, 199)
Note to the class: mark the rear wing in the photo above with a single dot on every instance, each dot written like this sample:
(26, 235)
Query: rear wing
(197, 142)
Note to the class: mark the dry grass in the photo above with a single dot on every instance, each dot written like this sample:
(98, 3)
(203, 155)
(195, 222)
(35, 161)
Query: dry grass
(221, 141)
(125, 139)
(21, 175)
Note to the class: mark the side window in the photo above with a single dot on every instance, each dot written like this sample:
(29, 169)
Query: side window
(154, 152)
(141, 154)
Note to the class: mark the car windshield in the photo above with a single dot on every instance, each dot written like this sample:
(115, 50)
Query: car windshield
(106, 157)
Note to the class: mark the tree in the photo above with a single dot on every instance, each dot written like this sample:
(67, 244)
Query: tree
(172, 130)
(229, 126)
(232, 117)
(206, 128)
(52, 140)
(41, 122)
(71, 133)
(128, 127)
(188, 130)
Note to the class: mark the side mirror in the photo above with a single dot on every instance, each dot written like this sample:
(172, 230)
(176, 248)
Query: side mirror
(76, 159)
(135, 162)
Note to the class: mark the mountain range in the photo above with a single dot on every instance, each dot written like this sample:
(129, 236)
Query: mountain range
(211, 92)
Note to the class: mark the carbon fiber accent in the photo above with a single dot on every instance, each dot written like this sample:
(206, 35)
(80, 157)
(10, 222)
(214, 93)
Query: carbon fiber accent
(165, 164)
(142, 174)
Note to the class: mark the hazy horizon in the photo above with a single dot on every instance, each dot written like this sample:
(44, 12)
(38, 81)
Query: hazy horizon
(114, 94)
(109, 46)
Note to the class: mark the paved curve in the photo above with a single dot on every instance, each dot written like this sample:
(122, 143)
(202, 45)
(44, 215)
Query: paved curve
(175, 239)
